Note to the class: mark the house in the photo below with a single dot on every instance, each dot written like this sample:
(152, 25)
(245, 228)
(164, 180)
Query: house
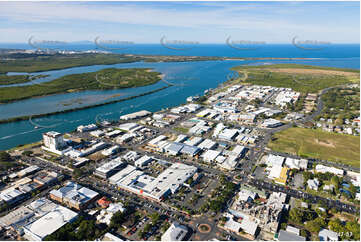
(313, 184)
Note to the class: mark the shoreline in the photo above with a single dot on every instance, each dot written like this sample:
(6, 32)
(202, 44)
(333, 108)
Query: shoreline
(22, 118)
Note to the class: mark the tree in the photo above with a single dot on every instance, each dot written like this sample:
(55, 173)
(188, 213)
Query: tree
(354, 228)
(141, 233)
(5, 157)
(77, 172)
(353, 190)
(315, 225)
(116, 220)
(155, 217)
(307, 175)
(336, 182)
(296, 215)
(27, 152)
(147, 227)
(304, 233)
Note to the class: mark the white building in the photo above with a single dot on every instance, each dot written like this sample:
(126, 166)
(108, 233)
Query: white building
(333, 170)
(167, 182)
(271, 123)
(275, 160)
(327, 235)
(49, 223)
(135, 115)
(54, 142)
(207, 144)
(111, 151)
(109, 168)
(228, 134)
(143, 161)
(175, 232)
(210, 155)
(313, 184)
(86, 128)
(296, 163)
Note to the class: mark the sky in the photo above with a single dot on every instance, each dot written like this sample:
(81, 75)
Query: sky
(203, 22)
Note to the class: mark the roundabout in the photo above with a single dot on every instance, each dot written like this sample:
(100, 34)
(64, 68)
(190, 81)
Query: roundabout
(204, 228)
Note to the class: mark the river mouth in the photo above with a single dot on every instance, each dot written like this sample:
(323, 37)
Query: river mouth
(192, 78)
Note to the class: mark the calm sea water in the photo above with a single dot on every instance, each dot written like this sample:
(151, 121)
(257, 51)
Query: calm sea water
(191, 78)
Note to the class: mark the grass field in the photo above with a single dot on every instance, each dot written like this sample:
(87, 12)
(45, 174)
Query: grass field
(312, 143)
(301, 78)
(110, 78)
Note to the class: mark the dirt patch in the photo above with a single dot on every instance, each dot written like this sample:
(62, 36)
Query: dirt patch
(314, 71)
(325, 143)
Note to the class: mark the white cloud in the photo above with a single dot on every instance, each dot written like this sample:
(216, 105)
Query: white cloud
(258, 20)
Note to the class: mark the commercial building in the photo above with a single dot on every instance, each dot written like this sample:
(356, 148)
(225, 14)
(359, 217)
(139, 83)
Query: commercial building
(86, 128)
(300, 164)
(109, 168)
(74, 195)
(54, 142)
(49, 223)
(175, 232)
(157, 188)
(236, 223)
(228, 134)
(94, 148)
(128, 126)
(174, 148)
(37, 219)
(143, 161)
(194, 141)
(111, 237)
(210, 155)
(27, 171)
(275, 160)
(271, 123)
(135, 115)
(207, 144)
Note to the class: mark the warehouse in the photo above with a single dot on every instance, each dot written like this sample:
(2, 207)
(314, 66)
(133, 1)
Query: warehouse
(135, 115)
(228, 134)
(194, 141)
(207, 144)
(143, 161)
(210, 155)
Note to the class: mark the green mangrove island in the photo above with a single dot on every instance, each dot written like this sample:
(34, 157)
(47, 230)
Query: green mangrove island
(111, 78)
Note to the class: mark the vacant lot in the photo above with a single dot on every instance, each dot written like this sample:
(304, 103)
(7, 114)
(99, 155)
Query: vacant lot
(312, 143)
(301, 78)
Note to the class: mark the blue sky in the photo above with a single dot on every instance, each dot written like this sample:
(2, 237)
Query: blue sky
(204, 22)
